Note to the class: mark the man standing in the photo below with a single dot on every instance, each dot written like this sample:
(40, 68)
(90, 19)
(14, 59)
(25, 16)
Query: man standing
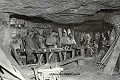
(36, 41)
(29, 47)
(41, 41)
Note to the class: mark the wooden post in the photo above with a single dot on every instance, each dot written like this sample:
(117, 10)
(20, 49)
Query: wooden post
(40, 59)
(73, 53)
(47, 58)
(111, 63)
(82, 52)
(119, 64)
(60, 56)
(60, 34)
(65, 55)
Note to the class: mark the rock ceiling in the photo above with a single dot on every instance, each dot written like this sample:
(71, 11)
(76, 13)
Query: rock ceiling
(62, 11)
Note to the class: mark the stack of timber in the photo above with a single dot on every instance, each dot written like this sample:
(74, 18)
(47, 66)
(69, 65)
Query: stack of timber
(9, 65)
(110, 59)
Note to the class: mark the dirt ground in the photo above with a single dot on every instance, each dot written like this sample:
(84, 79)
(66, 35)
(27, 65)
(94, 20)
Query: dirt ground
(87, 72)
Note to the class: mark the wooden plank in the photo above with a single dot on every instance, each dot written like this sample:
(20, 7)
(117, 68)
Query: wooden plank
(110, 49)
(7, 75)
(113, 59)
(62, 50)
(64, 62)
(60, 32)
(119, 64)
(65, 55)
(17, 57)
(47, 58)
(40, 59)
(111, 63)
(73, 53)
(82, 52)
(5, 63)
(60, 56)
(12, 61)
(50, 55)
(70, 60)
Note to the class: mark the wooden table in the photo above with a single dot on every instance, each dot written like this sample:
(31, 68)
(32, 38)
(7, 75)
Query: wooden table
(52, 51)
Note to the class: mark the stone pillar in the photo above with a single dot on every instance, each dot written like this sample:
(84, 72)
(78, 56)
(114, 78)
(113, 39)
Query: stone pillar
(6, 31)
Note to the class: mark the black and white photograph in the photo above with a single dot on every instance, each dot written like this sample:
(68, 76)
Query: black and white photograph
(59, 39)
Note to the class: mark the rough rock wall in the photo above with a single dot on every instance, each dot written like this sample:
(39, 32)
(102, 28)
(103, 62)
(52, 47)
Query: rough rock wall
(63, 11)
(5, 31)
(113, 19)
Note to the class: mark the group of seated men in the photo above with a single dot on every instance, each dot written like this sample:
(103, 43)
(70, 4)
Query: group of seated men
(33, 41)
(93, 46)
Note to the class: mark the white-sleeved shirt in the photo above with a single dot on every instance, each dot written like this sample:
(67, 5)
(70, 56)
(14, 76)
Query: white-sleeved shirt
(64, 40)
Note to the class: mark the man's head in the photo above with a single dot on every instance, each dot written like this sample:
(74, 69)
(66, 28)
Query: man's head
(29, 33)
(70, 35)
(54, 33)
(36, 34)
(63, 34)
(18, 35)
(14, 39)
(94, 41)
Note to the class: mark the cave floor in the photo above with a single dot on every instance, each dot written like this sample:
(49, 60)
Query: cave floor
(88, 72)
